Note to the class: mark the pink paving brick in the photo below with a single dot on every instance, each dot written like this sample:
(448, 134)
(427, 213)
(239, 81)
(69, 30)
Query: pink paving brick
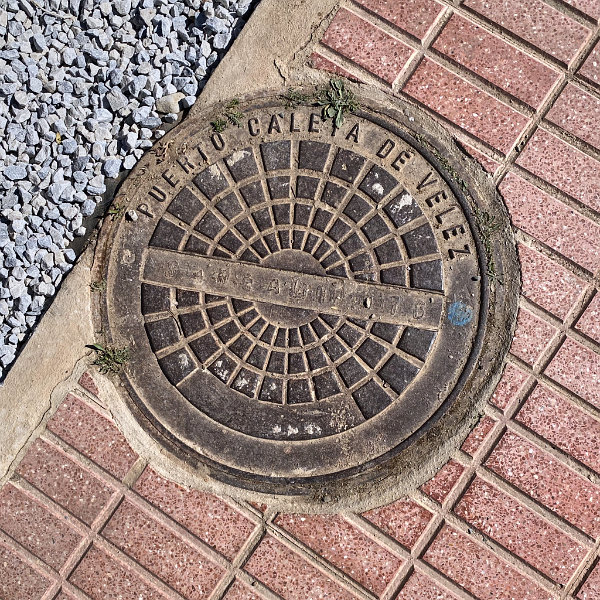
(290, 576)
(578, 369)
(547, 283)
(532, 336)
(509, 386)
(565, 167)
(552, 222)
(520, 530)
(403, 520)
(16, 575)
(590, 69)
(551, 483)
(240, 591)
(320, 62)
(206, 516)
(478, 570)
(101, 577)
(590, 590)
(86, 381)
(589, 322)
(421, 587)
(589, 7)
(463, 104)
(161, 551)
(578, 112)
(442, 483)
(537, 23)
(366, 45)
(496, 61)
(489, 164)
(478, 435)
(344, 546)
(563, 424)
(413, 16)
(35, 528)
(66, 482)
(94, 435)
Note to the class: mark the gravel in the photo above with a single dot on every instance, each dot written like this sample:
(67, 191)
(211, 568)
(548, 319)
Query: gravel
(85, 88)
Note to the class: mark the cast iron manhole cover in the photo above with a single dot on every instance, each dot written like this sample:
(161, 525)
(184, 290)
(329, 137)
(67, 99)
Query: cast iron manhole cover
(302, 303)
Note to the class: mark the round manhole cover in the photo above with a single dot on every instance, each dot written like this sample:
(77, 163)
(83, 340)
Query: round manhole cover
(302, 303)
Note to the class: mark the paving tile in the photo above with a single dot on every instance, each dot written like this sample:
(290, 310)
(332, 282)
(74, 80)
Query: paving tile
(520, 530)
(509, 386)
(478, 570)
(563, 424)
(590, 590)
(63, 480)
(441, 484)
(344, 546)
(489, 164)
(589, 7)
(16, 575)
(421, 587)
(589, 322)
(240, 591)
(86, 381)
(547, 283)
(162, 552)
(413, 16)
(537, 23)
(577, 112)
(403, 520)
(470, 108)
(35, 528)
(532, 336)
(496, 61)
(578, 369)
(552, 222)
(478, 435)
(290, 576)
(366, 45)
(320, 62)
(551, 483)
(65, 596)
(206, 516)
(101, 577)
(565, 167)
(93, 435)
(590, 69)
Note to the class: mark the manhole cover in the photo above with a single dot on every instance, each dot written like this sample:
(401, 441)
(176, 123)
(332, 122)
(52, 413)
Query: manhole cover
(302, 303)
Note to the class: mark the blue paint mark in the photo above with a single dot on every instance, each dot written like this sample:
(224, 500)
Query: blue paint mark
(460, 313)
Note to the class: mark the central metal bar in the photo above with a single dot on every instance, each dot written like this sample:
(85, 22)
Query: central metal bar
(320, 293)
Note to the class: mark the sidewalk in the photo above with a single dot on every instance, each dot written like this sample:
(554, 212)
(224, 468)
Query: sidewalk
(515, 514)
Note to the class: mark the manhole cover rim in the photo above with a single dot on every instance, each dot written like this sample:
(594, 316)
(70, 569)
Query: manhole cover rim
(376, 113)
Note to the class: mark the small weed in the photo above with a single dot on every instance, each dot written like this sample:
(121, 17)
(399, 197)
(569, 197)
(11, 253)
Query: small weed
(336, 101)
(110, 360)
(116, 210)
(230, 114)
(488, 226)
(98, 286)
(294, 98)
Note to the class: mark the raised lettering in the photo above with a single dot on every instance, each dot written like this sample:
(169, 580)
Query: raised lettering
(402, 158)
(145, 210)
(185, 164)
(436, 198)
(217, 141)
(353, 133)
(453, 232)
(387, 147)
(274, 125)
(201, 153)
(168, 177)
(293, 126)
(253, 126)
(454, 251)
(158, 194)
(439, 217)
(314, 122)
(427, 181)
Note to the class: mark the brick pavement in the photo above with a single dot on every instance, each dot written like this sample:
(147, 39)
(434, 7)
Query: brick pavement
(516, 513)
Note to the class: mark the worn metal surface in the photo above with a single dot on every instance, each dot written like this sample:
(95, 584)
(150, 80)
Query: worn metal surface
(302, 303)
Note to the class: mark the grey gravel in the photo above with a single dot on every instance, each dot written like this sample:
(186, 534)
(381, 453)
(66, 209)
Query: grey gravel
(86, 86)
